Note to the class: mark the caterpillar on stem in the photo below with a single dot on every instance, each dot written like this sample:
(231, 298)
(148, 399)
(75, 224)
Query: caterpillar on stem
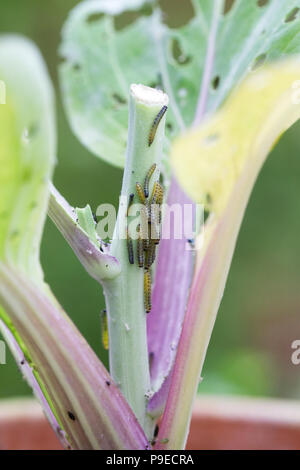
(104, 329)
(155, 124)
(147, 291)
(147, 179)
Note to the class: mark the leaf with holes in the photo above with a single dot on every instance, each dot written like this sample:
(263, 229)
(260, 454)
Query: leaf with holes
(101, 60)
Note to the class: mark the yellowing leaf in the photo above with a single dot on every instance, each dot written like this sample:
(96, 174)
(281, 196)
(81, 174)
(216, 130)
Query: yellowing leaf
(218, 163)
(209, 160)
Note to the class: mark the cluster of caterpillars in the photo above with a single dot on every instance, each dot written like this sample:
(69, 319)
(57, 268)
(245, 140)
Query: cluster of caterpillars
(148, 230)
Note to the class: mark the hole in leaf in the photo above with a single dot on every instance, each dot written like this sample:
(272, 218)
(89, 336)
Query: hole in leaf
(208, 199)
(62, 60)
(158, 84)
(211, 139)
(169, 127)
(76, 67)
(228, 6)
(206, 215)
(259, 61)
(94, 17)
(215, 82)
(179, 56)
(155, 85)
(262, 3)
(129, 17)
(292, 15)
(71, 416)
(178, 16)
(119, 99)
(182, 93)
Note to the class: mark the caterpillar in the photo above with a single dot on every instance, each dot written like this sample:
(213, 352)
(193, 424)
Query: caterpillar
(104, 329)
(150, 255)
(154, 226)
(157, 194)
(146, 243)
(131, 196)
(140, 250)
(148, 259)
(155, 124)
(140, 192)
(147, 179)
(147, 291)
(153, 252)
(130, 249)
(155, 211)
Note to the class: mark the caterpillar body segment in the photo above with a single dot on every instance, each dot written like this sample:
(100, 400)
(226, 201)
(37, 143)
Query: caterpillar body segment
(104, 329)
(155, 125)
(147, 291)
(140, 193)
(140, 249)
(148, 178)
(130, 202)
(130, 249)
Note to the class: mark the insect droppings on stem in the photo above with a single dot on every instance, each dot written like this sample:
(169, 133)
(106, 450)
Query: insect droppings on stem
(71, 416)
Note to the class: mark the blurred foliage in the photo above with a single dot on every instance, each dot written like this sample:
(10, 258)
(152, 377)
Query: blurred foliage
(259, 317)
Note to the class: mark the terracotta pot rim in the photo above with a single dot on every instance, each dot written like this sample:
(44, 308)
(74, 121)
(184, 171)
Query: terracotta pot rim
(219, 422)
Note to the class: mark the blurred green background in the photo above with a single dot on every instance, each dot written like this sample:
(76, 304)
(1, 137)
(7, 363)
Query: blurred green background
(259, 317)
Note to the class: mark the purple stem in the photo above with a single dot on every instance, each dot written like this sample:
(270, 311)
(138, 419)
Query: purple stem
(172, 282)
(90, 406)
(32, 382)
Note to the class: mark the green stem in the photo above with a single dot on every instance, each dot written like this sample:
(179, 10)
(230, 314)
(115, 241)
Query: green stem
(129, 363)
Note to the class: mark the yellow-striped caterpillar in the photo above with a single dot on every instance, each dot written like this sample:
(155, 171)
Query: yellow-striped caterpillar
(140, 192)
(147, 291)
(104, 329)
(140, 249)
(147, 179)
(155, 124)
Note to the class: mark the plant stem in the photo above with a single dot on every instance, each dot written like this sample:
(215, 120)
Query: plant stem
(129, 363)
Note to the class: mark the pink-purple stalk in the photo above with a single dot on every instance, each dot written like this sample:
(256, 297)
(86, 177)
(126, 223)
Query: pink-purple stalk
(170, 436)
(88, 405)
(173, 278)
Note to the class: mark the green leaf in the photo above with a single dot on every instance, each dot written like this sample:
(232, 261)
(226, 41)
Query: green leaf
(27, 153)
(87, 223)
(100, 63)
